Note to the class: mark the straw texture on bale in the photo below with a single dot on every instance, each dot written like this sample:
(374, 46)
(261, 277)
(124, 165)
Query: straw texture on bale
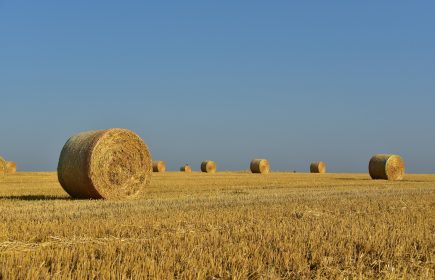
(105, 164)
(159, 166)
(387, 167)
(186, 168)
(208, 166)
(318, 167)
(11, 167)
(260, 166)
(2, 166)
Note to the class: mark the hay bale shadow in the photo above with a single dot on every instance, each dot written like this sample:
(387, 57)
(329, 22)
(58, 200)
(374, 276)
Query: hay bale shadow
(353, 179)
(34, 197)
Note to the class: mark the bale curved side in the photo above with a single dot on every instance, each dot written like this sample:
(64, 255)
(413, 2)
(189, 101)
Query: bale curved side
(159, 166)
(387, 167)
(208, 166)
(186, 168)
(11, 167)
(109, 164)
(318, 167)
(260, 166)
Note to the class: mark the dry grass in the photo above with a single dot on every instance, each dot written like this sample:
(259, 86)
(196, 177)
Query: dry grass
(231, 225)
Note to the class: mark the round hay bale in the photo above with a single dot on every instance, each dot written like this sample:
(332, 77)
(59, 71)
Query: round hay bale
(260, 166)
(318, 167)
(208, 166)
(105, 164)
(159, 166)
(2, 166)
(11, 167)
(387, 167)
(186, 168)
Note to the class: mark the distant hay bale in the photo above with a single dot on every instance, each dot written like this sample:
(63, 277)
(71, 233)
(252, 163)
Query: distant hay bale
(159, 166)
(2, 166)
(208, 166)
(105, 164)
(387, 167)
(186, 168)
(318, 167)
(260, 166)
(11, 167)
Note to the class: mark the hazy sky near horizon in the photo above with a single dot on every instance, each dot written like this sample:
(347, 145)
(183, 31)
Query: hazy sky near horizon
(336, 81)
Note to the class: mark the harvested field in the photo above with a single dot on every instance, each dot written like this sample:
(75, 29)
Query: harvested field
(231, 225)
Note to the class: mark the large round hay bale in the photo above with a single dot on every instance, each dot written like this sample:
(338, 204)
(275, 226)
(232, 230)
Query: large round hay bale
(208, 166)
(318, 167)
(260, 166)
(186, 168)
(105, 164)
(2, 166)
(159, 166)
(387, 167)
(11, 167)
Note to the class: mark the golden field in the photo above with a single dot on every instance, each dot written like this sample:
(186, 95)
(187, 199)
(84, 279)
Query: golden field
(226, 225)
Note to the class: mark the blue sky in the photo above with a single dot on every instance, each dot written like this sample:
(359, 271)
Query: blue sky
(293, 82)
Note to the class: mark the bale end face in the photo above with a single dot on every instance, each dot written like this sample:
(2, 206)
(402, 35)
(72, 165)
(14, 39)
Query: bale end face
(318, 167)
(387, 167)
(159, 166)
(260, 166)
(208, 166)
(105, 164)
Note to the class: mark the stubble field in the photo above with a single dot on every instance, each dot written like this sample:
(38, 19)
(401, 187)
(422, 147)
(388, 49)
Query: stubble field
(224, 225)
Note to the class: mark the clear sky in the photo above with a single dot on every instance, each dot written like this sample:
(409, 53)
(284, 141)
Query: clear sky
(290, 81)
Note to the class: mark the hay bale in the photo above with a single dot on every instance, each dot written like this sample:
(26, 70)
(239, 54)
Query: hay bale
(318, 167)
(260, 166)
(105, 164)
(11, 167)
(186, 168)
(208, 166)
(2, 166)
(159, 166)
(387, 167)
